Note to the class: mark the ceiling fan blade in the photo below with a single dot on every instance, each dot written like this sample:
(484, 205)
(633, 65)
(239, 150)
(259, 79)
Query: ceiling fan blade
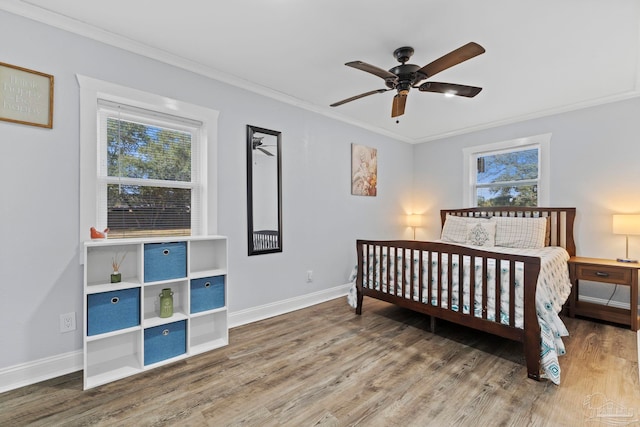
(265, 151)
(450, 89)
(452, 58)
(399, 101)
(362, 95)
(372, 69)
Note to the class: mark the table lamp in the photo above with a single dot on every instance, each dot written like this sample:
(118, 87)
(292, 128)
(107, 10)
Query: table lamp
(413, 221)
(626, 224)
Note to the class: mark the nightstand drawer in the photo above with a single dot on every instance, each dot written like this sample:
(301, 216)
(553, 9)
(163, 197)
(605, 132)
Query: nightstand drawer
(601, 273)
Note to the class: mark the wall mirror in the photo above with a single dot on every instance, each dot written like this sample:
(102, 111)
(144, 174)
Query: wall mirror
(264, 201)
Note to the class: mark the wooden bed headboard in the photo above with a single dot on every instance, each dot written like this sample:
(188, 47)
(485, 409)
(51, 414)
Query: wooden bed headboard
(560, 220)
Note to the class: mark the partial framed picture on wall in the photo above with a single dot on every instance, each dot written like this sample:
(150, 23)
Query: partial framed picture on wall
(26, 96)
(364, 170)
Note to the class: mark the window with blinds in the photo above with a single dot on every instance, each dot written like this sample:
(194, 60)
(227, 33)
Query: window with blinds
(149, 182)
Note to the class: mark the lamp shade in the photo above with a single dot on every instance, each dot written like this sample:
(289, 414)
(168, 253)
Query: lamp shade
(414, 220)
(626, 224)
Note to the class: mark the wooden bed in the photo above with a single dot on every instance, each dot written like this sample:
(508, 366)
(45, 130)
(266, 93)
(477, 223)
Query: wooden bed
(425, 254)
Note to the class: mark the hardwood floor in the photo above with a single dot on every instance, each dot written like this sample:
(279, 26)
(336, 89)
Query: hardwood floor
(326, 366)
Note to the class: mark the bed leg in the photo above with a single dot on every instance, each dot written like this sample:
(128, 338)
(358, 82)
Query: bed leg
(359, 298)
(533, 368)
(532, 359)
(433, 324)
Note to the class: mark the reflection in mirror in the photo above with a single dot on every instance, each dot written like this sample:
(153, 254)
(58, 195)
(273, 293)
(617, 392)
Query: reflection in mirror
(264, 201)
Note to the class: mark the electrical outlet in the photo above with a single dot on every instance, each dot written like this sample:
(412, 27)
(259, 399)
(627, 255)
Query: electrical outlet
(310, 276)
(68, 322)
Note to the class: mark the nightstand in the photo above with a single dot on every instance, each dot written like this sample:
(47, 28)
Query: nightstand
(604, 271)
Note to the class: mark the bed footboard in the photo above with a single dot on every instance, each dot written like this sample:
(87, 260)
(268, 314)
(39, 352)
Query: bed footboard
(487, 291)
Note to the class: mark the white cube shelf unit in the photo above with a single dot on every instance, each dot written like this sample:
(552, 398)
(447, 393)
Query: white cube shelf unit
(122, 323)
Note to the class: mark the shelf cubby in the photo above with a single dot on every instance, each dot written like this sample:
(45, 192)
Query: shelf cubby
(151, 302)
(207, 257)
(112, 358)
(208, 330)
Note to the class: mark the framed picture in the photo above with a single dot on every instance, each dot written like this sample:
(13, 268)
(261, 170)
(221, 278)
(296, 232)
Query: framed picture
(26, 96)
(364, 170)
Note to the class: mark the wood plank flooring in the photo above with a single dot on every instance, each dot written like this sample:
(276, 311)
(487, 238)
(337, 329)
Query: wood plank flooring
(325, 366)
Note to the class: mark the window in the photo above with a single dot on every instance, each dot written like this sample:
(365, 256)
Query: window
(147, 163)
(148, 181)
(510, 173)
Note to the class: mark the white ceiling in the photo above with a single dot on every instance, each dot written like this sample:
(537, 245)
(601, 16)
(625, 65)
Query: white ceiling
(542, 56)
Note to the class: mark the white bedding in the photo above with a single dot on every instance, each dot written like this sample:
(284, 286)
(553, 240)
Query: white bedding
(552, 291)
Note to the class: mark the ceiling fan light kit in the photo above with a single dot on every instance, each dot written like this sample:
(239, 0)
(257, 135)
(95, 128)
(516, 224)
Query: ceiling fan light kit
(405, 76)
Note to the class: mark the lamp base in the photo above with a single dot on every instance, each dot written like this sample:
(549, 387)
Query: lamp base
(627, 260)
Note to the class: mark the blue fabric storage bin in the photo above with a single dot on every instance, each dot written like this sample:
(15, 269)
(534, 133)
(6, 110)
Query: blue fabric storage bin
(165, 341)
(165, 261)
(113, 310)
(207, 293)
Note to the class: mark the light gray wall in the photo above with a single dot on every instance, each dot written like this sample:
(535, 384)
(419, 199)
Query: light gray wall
(594, 167)
(40, 274)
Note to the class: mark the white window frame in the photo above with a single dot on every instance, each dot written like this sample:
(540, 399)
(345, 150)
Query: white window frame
(91, 91)
(471, 154)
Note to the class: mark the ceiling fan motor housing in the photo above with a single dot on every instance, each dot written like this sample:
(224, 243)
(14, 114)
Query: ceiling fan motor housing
(407, 75)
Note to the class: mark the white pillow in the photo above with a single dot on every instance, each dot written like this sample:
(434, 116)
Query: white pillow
(518, 232)
(482, 233)
(455, 228)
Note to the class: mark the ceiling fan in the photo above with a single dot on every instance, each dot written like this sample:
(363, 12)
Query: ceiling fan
(257, 144)
(406, 76)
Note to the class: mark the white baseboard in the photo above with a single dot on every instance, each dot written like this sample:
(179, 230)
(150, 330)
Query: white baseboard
(29, 373)
(39, 370)
(266, 311)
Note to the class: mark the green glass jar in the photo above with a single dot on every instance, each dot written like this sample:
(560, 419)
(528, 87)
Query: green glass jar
(166, 303)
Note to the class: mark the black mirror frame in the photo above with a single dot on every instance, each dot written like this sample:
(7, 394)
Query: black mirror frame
(251, 130)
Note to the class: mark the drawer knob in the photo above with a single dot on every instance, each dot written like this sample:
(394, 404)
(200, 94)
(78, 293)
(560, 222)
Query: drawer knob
(602, 274)
(115, 300)
(165, 332)
(165, 252)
